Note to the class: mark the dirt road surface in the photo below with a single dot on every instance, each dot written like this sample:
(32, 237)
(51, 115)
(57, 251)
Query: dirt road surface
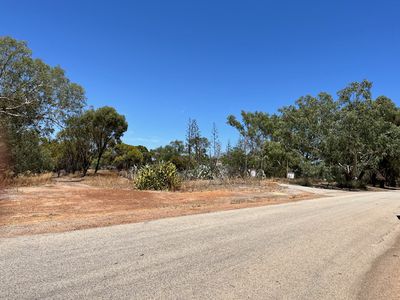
(65, 206)
(320, 249)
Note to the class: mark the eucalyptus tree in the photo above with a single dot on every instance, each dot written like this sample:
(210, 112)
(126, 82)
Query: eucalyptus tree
(77, 145)
(34, 99)
(364, 134)
(388, 113)
(85, 138)
(127, 156)
(304, 129)
(255, 129)
(32, 92)
(107, 128)
(174, 152)
(349, 139)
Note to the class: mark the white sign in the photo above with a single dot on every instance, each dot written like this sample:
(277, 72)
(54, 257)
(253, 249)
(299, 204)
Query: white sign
(290, 175)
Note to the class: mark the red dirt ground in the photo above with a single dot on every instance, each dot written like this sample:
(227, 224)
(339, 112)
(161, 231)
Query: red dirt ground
(65, 206)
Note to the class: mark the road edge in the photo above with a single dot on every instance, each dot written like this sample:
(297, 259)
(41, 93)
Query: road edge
(382, 281)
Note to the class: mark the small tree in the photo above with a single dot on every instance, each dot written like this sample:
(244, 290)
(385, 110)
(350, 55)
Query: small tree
(77, 145)
(107, 128)
(127, 156)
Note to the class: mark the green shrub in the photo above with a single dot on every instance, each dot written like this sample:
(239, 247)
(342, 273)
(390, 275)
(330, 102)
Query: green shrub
(162, 176)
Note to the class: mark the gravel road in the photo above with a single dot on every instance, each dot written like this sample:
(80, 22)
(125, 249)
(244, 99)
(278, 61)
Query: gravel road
(317, 249)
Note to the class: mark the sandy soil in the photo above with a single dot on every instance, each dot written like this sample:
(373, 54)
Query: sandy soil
(383, 279)
(65, 206)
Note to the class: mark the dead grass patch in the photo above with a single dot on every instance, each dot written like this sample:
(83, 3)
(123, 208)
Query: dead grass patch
(29, 180)
(236, 184)
(110, 180)
(70, 205)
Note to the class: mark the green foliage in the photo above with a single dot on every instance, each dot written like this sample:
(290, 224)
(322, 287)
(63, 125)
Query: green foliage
(196, 145)
(349, 140)
(107, 127)
(35, 98)
(235, 161)
(255, 130)
(352, 139)
(173, 152)
(275, 159)
(33, 93)
(145, 153)
(364, 135)
(161, 176)
(29, 154)
(127, 156)
(86, 137)
(76, 145)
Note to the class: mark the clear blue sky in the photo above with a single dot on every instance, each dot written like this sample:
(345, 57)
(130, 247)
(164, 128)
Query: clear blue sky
(161, 62)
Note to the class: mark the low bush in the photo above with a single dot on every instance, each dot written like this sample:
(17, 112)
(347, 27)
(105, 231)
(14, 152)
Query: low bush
(353, 184)
(200, 172)
(162, 176)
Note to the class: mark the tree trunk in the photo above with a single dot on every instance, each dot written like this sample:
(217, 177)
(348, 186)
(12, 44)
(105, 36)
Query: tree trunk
(373, 179)
(382, 184)
(97, 164)
(85, 169)
(101, 151)
(4, 155)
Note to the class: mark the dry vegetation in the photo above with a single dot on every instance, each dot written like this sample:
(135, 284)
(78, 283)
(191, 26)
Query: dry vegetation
(233, 184)
(29, 180)
(109, 180)
(104, 179)
(70, 203)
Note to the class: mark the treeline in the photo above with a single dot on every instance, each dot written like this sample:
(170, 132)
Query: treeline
(351, 139)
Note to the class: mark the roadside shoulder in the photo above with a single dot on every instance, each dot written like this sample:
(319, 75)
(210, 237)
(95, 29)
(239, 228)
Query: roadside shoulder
(383, 279)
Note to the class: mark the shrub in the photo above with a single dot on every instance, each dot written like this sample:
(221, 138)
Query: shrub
(161, 176)
(199, 172)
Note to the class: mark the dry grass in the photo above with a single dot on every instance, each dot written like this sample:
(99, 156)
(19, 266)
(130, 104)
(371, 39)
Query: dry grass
(108, 179)
(70, 204)
(104, 179)
(228, 184)
(112, 180)
(30, 180)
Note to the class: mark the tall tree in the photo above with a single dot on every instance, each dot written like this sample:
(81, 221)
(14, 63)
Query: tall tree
(215, 143)
(34, 99)
(193, 140)
(189, 138)
(127, 156)
(32, 92)
(255, 129)
(107, 128)
(76, 144)
(303, 131)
